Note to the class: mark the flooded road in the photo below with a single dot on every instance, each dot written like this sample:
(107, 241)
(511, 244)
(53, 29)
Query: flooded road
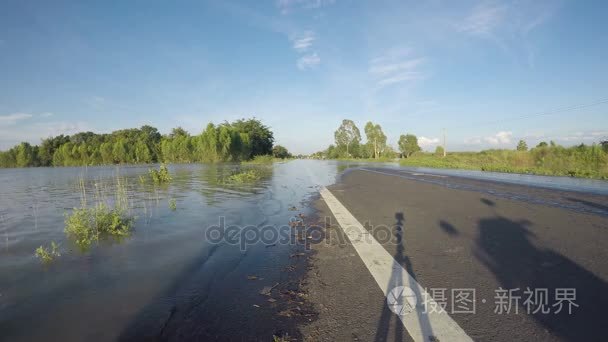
(173, 278)
(167, 271)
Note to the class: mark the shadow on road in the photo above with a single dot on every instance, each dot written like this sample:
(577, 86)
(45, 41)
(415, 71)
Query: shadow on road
(448, 228)
(396, 280)
(589, 203)
(506, 247)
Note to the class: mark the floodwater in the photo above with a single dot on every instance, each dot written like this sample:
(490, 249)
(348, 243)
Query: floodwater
(167, 280)
(171, 278)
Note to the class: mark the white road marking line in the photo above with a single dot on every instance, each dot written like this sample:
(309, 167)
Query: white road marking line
(421, 325)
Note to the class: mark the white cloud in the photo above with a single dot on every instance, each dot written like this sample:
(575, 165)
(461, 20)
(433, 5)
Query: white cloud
(484, 18)
(287, 6)
(11, 119)
(396, 66)
(46, 114)
(308, 61)
(304, 41)
(579, 137)
(500, 138)
(427, 143)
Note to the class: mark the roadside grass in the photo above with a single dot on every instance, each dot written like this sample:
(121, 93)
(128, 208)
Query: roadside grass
(46, 254)
(579, 161)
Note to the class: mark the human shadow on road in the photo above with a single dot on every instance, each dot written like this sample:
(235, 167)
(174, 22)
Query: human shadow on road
(506, 247)
(396, 280)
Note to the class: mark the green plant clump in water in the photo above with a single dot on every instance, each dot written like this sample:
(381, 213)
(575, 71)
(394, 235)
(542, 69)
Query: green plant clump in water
(161, 175)
(173, 204)
(47, 255)
(249, 176)
(87, 225)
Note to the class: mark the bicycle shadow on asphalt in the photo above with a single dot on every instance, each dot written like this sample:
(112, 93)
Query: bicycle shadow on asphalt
(396, 280)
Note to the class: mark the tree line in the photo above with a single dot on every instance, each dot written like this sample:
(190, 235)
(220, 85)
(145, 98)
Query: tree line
(235, 141)
(348, 144)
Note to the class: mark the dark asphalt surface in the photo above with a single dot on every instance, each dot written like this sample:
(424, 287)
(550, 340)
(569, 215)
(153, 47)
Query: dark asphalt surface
(461, 233)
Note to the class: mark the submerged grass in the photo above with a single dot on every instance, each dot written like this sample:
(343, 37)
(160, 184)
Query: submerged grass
(88, 224)
(173, 204)
(161, 175)
(247, 176)
(48, 255)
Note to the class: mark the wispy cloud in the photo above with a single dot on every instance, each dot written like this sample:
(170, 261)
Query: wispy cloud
(46, 114)
(396, 67)
(304, 41)
(484, 18)
(580, 137)
(287, 6)
(13, 118)
(309, 61)
(508, 24)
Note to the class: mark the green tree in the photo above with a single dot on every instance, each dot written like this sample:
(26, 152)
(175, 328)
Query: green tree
(542, 144)
(48, 147)
(279, 151)
(25, 155)
(376, 139)
(261, 138)
(439, 151)
(522, 146)
(142, 152)
(408, 144)
(347, 134)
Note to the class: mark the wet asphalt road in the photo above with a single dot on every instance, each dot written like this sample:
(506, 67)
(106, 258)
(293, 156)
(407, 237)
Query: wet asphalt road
(466, 234)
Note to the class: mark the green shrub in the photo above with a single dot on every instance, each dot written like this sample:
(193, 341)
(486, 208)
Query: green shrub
(161, 175)
(87, 225)
(47, 255)
(248, 176)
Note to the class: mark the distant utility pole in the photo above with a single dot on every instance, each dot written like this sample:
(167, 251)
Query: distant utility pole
(444, 150)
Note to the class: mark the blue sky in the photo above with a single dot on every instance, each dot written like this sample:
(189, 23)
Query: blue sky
(479, 69)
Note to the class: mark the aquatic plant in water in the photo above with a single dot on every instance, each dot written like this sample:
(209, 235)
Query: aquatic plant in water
(248, 176)
(161, 175)
(86, 225)
(173, 204)
(47, 255)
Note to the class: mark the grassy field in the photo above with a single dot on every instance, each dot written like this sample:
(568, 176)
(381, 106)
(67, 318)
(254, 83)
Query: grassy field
(579, 161)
